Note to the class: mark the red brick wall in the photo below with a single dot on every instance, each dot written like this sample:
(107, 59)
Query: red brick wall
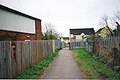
(38, 30)
(17, 36)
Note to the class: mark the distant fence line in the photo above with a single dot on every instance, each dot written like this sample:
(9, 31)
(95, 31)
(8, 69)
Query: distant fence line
(83, 44)
(17, 56)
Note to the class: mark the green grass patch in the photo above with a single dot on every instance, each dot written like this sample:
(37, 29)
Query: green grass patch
(94, 69)
(36, 70)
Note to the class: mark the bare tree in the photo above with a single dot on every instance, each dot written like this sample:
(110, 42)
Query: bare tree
(117, 15)
(116, 21)
(104, 21)
(117, 18)
(50, 32)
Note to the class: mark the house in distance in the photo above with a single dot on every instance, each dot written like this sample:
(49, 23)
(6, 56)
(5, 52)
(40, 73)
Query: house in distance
(81, 34)
(17, 26)
(104, 32)
(65, 40)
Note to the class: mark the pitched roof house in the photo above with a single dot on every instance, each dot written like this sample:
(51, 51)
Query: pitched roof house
(104, 32)
(17, 26)
(81, 34)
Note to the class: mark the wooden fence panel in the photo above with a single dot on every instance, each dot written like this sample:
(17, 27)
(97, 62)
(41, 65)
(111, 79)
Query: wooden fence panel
(2, 65)
(26, 52)
(51, 48)
(19, 56)
(23, 56)
(32, 53)
(8, 59)
(40, 51)
(35, 56)
(57, 44)
(37, 51)
(1, 59)
(53, 45)
(5, 60)
(43, 50)
(14, 72)
(47, 48)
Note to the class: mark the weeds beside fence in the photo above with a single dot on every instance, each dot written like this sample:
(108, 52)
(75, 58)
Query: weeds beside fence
(105, 50)
(35, 71)
(93, 68)
(110, 48)
(17, 56)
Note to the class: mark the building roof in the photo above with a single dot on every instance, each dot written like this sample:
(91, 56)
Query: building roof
(65, 37)
(87, 31)
(17, 12)
(107, 28)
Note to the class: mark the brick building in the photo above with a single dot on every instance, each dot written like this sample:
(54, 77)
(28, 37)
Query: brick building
(17, 26)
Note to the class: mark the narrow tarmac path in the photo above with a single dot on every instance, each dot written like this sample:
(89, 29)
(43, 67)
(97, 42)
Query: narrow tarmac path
(63, 67)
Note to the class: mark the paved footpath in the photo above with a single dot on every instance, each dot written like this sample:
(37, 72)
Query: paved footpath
(63, 67)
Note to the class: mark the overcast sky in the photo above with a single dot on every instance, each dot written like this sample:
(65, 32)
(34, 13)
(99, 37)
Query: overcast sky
(65, 14)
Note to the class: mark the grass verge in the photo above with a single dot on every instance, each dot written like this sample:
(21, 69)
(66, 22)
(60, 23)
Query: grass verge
(36, 70)
(92, 68)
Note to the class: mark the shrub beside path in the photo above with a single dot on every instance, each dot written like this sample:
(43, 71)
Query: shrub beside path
(63, 67)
